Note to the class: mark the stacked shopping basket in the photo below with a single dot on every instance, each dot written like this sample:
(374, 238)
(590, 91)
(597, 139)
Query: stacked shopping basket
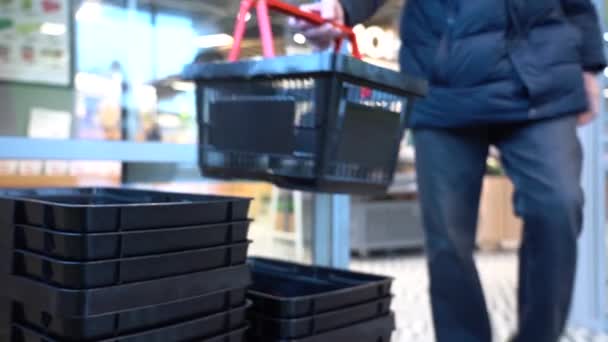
(296, 303)
(122, 266)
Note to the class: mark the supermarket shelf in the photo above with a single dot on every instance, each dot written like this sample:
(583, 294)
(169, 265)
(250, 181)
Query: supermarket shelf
(284, 236)
(51, 149)
(55, 181)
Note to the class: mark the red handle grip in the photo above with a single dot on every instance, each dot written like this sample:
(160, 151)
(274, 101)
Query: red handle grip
(266, 31)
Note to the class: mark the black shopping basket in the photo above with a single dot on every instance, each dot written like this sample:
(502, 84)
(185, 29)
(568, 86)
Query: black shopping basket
(324, 122)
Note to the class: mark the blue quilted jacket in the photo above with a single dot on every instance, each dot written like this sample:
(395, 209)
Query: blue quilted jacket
(493, 61)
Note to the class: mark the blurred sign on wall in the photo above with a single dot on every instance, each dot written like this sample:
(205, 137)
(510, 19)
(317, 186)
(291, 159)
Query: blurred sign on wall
(35, 41)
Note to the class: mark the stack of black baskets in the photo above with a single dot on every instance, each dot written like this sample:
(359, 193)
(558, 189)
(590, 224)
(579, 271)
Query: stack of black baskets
(296, 303)
(122, 266)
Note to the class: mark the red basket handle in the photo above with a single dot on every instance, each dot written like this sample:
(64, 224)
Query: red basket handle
(262, 7)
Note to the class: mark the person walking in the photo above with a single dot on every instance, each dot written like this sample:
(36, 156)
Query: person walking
(518, 75)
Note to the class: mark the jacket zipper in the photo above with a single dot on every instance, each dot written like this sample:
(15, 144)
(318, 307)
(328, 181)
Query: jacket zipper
(445, 43)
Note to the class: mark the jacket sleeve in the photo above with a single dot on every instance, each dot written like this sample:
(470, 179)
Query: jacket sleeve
(357, 11)
(582, 14)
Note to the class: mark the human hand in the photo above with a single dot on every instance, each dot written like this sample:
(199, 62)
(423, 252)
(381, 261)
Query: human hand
(321, 37)
(592, 88)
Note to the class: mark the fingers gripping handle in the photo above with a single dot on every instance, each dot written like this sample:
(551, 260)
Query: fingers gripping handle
(262, 9)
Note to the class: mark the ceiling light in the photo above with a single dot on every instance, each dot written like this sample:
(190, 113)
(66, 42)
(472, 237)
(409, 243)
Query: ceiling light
(299, 38)
(90, 10)
(183, 86)
(146, 97)
(168, 121)
(53, 29)
(214, 41)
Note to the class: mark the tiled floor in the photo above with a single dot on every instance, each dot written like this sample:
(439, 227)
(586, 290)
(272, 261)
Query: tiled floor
(498, 274)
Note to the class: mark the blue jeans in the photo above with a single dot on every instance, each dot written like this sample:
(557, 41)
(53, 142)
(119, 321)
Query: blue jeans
(543, 159)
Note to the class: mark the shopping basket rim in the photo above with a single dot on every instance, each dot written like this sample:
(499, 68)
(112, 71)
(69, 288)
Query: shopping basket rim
(308, 65)
(33, 195)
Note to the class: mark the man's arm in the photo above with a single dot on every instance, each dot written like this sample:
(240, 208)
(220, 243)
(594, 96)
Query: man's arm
(583, 15)
(357, 11)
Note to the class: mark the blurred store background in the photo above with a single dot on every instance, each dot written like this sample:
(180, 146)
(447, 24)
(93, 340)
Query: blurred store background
(109, 71)
(119, 65)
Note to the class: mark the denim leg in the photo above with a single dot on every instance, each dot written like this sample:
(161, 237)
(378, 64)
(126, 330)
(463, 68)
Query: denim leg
(544, 160)
(450, 165)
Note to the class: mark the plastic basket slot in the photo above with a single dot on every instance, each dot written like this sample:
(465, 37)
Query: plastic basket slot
(49, 242)
(368, 135)
(46, 319)
(48, 216)
(121, 249)
(356, 172)
(47, 270)
(378, 100)
(383, 289)
(230, 216)
(302, 165)
(313, 306)
(301, 92)
(236, 127)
